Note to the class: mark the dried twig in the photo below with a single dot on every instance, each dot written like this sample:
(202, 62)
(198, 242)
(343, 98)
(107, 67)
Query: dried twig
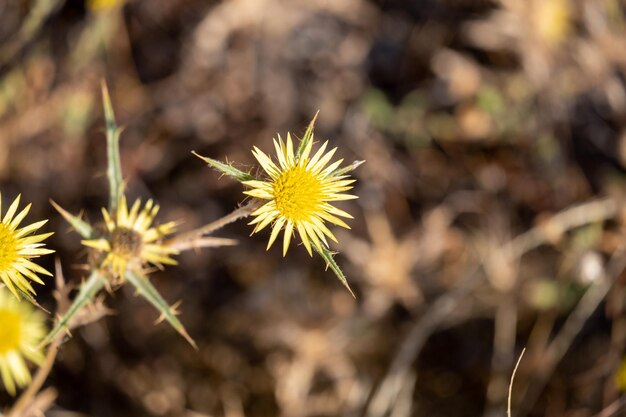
(191, 239)
(391, 386)
(519, 360)
(575, 322)
(586, 213)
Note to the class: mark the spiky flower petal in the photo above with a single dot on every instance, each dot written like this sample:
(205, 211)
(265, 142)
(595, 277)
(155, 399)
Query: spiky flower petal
(21, 330)
(132, 241)
(299, 191)
(17, 247)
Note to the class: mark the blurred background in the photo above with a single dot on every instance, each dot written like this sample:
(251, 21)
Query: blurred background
(489, 215)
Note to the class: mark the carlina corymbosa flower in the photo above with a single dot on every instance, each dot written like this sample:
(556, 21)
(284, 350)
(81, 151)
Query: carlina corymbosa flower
(127, 248)
(131, 240)
(296, 194)
(17, 247)
(298, 191)
(21, 330)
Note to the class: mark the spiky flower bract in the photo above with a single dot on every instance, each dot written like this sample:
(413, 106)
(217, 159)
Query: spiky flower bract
(21, 330)
(17, 247)
(299, 191)
(132, 241)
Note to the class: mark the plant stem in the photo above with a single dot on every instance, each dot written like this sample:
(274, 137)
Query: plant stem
(182, 240)
(42, 374)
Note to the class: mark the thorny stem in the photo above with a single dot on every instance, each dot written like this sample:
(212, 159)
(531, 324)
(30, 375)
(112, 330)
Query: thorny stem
(42, 374)
(182, 240)
(28, 397)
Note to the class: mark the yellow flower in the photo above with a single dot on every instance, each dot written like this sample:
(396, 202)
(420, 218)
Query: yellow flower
(131, 241)
(299, 190)
(17, 247)
(21, 331)
(552, 20)
(103, 5)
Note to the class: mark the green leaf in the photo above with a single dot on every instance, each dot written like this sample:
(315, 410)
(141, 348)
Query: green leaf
(327, 255)
(86, 293)
(114, 167)
(82, 227)
(226, 169)
(145, 288)
(308, 136)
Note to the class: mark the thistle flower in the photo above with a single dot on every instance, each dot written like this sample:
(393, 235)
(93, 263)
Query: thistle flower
(298, 190)
(22, 329)
(128, 244)
(17, 247)
(132, 241)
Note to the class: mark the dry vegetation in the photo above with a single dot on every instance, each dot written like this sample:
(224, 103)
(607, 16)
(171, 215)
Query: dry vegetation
(490, 214)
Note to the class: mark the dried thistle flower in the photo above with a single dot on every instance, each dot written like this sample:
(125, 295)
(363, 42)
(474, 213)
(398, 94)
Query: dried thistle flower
(22, 329)
(17, 247)
(132, 241)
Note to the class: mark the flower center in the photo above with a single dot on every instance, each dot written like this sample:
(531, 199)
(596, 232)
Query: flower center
(298, 194)
(8, 247)
(10, 331)
(126, 243)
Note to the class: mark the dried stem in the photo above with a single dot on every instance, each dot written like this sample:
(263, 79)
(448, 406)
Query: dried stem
(184, 241)
(29, 396)
(568, 219)
(503, 351)
(519, 360)
(42, 374)
(387, 392)
(570, 329)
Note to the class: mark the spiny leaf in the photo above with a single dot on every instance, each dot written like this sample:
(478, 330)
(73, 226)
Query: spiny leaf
(114, 167)
(327, 255)
(348, 168)
(82, 227)
(226, 169)
(145, 288)
(27, 296)
(308, 136)
(86, 294)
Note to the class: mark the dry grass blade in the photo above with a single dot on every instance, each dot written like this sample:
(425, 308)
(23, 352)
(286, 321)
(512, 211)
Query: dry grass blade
(519, 360)
(561, 343)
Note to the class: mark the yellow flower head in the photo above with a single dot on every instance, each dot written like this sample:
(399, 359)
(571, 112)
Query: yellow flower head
(21, 330)
(132, 241)
(17, 247)
(298, 190)
(103, 5)
(552, 20)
